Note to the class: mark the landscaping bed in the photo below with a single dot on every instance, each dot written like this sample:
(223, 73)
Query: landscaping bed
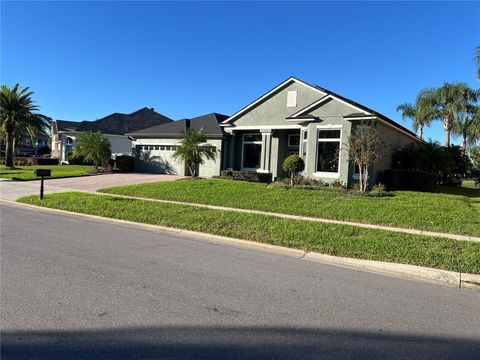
(58, 171)
(455, 211)
(337, 240)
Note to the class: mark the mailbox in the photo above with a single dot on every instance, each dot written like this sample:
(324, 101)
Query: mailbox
(43, 172)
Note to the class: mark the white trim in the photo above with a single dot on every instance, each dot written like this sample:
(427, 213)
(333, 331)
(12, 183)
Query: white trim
(360, 118)
(264, 127)
(339, 140)
(294, 146)
(263, 97)
(323, 99)
(329, 126)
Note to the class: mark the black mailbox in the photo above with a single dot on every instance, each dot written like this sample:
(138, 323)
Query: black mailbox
(43, 172)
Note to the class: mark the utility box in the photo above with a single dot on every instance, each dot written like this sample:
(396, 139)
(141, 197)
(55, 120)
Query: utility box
(42, 172)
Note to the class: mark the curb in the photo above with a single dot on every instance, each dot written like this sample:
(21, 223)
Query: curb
(404, 271)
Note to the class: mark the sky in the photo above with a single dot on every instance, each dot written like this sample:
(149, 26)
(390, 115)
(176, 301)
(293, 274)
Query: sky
(85, 60)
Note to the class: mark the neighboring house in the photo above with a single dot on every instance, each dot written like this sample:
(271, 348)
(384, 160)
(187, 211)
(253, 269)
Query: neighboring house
(25, 147)
(113, 127)
(155, 146)
(296, 117)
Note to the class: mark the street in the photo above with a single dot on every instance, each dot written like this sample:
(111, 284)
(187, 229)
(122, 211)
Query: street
(75, 289)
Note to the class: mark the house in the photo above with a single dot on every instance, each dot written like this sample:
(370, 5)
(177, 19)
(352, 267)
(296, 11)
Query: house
(292, 118)
(299, 118)
(25, 147)
(114, 127)
(155, 146)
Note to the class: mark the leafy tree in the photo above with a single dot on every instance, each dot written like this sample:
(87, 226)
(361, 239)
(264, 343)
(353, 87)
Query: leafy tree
(467, 126)
(293, 164)
(365, 148)
(192, 152)
(17, 112)
(92, 146)
(474, 155)
(421, 113)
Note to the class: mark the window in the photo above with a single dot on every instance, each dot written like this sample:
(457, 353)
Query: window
(69, 141)
(162, 148)
(291, 98)
(157, 147)
(293, 140)
(252, 150)
(328, 151)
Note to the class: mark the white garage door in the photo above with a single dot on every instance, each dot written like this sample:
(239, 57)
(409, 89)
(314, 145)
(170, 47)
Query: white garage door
(158, 159)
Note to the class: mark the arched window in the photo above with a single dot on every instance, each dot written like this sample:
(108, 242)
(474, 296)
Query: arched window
(69, 141)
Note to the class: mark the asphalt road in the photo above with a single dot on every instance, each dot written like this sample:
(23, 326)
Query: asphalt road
(77, 289)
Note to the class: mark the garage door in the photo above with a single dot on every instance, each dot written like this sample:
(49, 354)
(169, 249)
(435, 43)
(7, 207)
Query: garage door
(158, 159)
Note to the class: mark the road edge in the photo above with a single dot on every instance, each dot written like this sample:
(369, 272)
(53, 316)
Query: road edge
(404, 271)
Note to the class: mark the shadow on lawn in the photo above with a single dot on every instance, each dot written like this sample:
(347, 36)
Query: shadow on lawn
(206, 342)
(452, 190)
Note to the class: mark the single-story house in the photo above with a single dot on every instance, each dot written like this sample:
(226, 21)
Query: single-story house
(299, 118)
(292, 118)
(155, 146)
(114, 127)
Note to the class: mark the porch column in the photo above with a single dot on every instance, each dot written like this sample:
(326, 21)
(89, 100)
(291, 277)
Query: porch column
(266, 150)
(231, 150)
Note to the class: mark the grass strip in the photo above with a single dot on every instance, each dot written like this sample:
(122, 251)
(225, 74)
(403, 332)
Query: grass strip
(456, 210)
(58, 171)
(338, 240)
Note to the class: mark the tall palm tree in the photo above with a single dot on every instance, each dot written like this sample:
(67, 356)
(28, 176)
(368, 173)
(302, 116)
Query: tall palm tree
(447, 102)
(476, 58)
(92, 146)
(192, 152)
(18, 111)
(421, 113)
(468, 126)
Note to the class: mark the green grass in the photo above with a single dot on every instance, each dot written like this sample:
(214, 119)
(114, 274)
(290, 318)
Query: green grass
(338, 240)
(454, 210)
(58, 171)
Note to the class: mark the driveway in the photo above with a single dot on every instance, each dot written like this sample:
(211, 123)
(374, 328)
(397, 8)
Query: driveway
(12, 190)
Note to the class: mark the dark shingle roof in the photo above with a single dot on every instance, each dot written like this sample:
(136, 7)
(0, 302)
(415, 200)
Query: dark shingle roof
(117, 123)
(208, 123)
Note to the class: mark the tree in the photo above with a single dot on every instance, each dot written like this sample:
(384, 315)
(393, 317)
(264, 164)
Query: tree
(476, 59)
(192, 152)
(293, 164)
(92, 146)
(365, 148)
(421, 113)
(17, 112)
(467, 126)
(447, 102)
(474, 155)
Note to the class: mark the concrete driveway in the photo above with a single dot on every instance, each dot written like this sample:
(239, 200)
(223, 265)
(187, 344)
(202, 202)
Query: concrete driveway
(12, 190)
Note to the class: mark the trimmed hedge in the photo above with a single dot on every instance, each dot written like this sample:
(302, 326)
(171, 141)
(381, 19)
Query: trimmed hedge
(414, 180)
(42, 161)
(246, 176)
(124, 163)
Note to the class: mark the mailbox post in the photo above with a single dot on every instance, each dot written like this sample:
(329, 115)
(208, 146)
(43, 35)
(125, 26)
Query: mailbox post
(42, 173)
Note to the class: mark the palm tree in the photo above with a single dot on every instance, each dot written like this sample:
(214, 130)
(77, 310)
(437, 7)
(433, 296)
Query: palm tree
(421, 113)
(191, 150)
(476, 58)
(92, 146)
(18, 111)
(468, 126)
(447, 102)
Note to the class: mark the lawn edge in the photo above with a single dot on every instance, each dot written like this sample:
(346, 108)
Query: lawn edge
(412, 231)
(410, 272)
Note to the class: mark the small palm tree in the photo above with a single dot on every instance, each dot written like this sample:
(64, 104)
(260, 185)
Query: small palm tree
(468, 126)
(92, 146)
(17, 112)
(421, 113)
(191, 151)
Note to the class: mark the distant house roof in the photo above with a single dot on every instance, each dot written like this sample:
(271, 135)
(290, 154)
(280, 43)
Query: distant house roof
(117, 123)
(208, 123)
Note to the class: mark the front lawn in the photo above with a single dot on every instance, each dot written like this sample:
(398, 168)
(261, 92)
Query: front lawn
(457, 210)
(58, 171)
(338, 240)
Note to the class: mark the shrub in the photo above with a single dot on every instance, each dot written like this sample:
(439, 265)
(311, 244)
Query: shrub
(42, 161)
(76, 159)
(378, 191)
(246, 176)
(293, 164)
(414, 180)
(124, 163)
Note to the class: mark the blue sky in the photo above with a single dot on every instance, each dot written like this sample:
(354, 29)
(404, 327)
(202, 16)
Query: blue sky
(85, 60)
